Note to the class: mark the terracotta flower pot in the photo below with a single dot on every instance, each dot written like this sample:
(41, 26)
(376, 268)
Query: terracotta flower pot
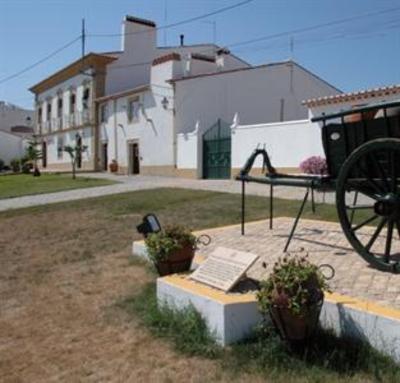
(296, 329)
(178, 261)
(113, 166)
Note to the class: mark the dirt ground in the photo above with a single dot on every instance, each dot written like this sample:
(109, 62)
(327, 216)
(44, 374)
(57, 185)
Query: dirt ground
(60, 279)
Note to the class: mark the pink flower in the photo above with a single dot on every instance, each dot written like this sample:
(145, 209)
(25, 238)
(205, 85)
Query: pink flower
(314, 165)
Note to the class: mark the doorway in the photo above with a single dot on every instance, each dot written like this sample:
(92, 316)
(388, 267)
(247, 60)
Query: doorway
(44, 154)
(104, 156)
(217, 151)
(134, 158)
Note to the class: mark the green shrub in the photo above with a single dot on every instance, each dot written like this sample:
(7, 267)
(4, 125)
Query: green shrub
(26, 167)
(160, 245)
(1, 164)
(15, 164)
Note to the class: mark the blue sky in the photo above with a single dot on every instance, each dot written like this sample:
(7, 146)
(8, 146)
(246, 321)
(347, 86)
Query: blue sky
(355, 55)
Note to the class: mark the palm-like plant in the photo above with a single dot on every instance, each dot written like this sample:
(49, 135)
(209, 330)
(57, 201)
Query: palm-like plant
(33, 155)
(75, 152)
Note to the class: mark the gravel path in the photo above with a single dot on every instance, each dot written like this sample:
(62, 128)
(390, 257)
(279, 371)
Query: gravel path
(133, 183)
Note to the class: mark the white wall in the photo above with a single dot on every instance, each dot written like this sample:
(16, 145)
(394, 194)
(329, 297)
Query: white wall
(153, 130)
(254, 93)
(287, 143)
(11, 146)
(68, 138)
(189, 151)
(139, 47)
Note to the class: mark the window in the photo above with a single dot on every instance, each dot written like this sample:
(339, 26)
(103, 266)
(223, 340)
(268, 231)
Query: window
(72, 102)
(59, 107)
(60, 147)
(85, 98)
(39, 115)
(48, 117)
(103, 113)
(133, 109)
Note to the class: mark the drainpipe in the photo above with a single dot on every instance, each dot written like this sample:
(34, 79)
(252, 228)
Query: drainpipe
(115, 130)
(174, 139)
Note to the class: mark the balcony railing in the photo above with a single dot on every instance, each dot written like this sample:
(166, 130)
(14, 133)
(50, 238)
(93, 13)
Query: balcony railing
(57, 123)
(79, 118)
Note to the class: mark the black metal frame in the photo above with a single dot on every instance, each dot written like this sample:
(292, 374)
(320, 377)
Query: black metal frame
(355, 135)
(272, 178)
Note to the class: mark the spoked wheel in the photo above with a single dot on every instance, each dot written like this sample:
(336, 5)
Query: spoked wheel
(368, 202)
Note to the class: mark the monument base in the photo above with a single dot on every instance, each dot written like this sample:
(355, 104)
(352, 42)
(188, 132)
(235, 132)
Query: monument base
(231, 317)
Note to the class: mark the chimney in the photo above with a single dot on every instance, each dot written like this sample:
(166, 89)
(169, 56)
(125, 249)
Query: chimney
(220, 59)
(187, 65)
(182, 38)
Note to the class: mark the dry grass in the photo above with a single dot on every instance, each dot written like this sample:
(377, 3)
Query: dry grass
(64, 267)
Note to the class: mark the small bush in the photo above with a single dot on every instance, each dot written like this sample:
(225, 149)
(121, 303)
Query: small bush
(314, 165)
(15, 165)
(1, 164)
(26, 167)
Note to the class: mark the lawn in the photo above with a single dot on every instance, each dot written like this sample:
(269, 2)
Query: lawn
(66, 268)
(25, 184)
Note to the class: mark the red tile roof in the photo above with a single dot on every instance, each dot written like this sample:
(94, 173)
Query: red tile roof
(353, 96)
(169, 57)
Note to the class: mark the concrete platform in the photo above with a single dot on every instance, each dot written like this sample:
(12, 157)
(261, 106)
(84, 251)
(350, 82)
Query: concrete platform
(231, 317)
(365, 302)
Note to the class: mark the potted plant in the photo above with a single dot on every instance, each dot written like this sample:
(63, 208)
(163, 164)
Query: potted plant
(113, 166)
(171, 250)
(292, 296)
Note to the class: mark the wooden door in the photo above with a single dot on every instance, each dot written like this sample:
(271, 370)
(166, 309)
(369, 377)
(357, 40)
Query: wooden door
(135, 158)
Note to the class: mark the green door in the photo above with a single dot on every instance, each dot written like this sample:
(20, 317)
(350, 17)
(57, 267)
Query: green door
(217, 151)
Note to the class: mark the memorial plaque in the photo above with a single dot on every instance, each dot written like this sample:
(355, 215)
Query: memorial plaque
(223, 268)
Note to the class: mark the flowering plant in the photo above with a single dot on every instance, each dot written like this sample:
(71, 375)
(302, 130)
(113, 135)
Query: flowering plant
(314, 165)
(295, 283)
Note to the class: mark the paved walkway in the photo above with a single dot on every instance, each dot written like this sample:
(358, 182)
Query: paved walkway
(325, 243)
(132, 183)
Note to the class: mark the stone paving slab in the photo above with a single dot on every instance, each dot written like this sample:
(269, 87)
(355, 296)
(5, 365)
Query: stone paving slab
(325, 243)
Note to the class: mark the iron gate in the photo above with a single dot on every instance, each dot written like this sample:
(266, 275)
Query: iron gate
(217, 151)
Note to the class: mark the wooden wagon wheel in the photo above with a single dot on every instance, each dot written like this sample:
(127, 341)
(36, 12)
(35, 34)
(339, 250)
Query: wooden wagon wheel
(368, 202)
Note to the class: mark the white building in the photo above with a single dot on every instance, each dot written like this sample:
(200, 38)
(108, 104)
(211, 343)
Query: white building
(158, 126)
(167, 110)
(15, 129)
(65, 111)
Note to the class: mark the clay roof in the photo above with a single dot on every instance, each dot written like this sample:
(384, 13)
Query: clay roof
(91, 59)
(353, 96)
(165, 58)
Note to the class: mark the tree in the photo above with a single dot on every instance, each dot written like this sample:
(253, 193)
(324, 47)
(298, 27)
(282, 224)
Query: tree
(33, 155)
(75, 152)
